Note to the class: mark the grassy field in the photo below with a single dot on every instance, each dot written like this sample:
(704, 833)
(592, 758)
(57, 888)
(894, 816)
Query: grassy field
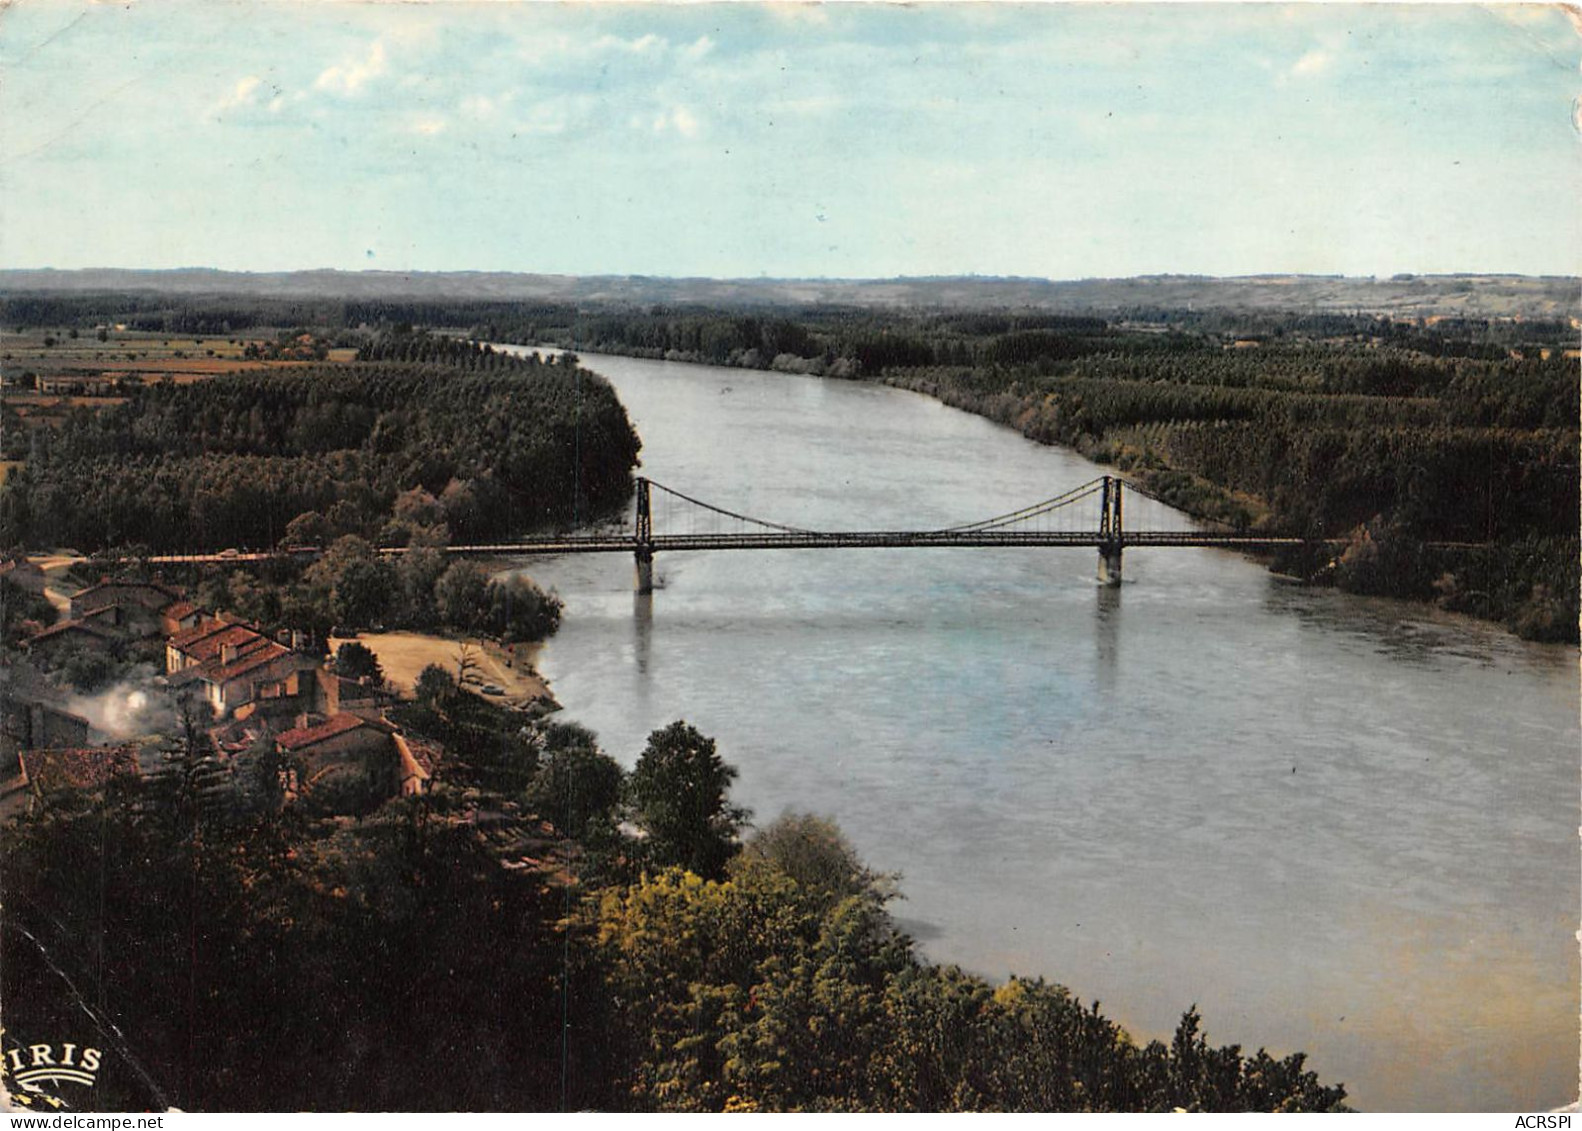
(46, 372)
(91, 367)
(52, 352)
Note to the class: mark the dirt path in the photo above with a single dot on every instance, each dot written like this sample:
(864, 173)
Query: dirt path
(55, 567)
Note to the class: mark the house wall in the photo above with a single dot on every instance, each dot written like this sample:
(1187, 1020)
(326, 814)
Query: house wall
(125, 595)
(364, 755)
(234, 692)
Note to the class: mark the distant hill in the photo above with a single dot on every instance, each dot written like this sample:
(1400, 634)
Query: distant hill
(1403, 295)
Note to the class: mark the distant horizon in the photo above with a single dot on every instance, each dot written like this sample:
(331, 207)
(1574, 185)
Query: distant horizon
(1059, 141)
(965, 276)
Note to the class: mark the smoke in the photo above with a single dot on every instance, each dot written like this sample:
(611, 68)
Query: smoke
(130, 708)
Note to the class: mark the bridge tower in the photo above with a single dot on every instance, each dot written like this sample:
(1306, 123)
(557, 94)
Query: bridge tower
(1112, 535)
(643, 538)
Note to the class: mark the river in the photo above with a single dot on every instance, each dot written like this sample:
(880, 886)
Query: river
(1338, 825)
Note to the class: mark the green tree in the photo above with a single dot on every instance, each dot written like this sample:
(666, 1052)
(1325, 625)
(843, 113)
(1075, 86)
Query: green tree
(309, 528)
(435, 686)
(364, 592)
(417, 571)
(816, 854)
(520, 610)
(461, 595)
(577, 787)
(355, 660)
(677, 795)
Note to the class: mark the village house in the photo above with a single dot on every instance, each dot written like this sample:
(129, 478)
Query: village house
(419, 761)
(76, 384)
(180, 616)
(49, 773)
(106, 614)
(232, 664)
(343, 751)
(151, 595)
(94, 633)
(141, 605)
(330, 731)
(29, 723)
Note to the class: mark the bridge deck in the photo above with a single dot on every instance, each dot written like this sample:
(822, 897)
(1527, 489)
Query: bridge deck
(823, 540)
(836, 540)
(872, 539)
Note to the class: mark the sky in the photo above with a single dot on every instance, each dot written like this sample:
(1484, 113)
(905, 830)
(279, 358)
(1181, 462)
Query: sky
(791, 140)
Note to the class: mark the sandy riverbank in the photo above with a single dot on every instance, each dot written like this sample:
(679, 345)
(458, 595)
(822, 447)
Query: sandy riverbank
(403, 655)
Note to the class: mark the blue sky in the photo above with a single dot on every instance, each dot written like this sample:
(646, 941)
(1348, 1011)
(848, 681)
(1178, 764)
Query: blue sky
(853, 140)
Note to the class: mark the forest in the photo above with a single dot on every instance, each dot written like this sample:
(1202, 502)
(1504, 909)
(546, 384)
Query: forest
(541, 930)
(497, 444)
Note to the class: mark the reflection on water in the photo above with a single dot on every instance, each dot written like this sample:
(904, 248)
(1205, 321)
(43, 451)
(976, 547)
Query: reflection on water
(1338, 825)
(1106, 634)
(642, 630)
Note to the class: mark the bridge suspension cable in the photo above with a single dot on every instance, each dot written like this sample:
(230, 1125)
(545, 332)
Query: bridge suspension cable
(1021, 516)
(730, 513)
(1029, 512)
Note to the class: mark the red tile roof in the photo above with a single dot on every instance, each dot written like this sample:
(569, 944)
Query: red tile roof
(188, 636)
(245, 640)
(180, 609)
(78, 767)
(253, 657)
(301, 737)
(163, 593)
(79, 625)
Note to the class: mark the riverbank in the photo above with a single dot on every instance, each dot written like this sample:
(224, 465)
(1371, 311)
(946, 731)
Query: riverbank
(402, 657)
(1389, 474)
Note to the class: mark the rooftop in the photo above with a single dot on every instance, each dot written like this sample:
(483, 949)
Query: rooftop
(299, 738)
(79, 767)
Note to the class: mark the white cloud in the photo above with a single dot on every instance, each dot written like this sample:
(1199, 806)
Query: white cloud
(698, 48)
(349, 76)
(650, 46)
(244, 93)
(428, 125)
(798, 12)
(641, 46)
(678, 119)
(1315, 62)
(683, 121)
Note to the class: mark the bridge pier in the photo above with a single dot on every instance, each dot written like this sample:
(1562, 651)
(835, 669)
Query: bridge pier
(1110, 565)
(1110, 527)
(645, 571)
(643, 535)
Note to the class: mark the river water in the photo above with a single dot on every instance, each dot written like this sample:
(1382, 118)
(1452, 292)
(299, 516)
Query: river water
(1338, 825)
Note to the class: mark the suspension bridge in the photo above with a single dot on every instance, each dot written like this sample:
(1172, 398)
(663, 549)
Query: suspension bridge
(1091, 515)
